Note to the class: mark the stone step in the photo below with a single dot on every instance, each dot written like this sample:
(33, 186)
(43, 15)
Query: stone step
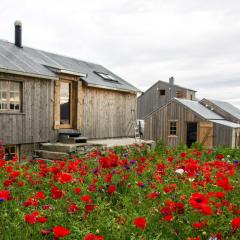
(73, 140)
(58, 147)
(51, 155)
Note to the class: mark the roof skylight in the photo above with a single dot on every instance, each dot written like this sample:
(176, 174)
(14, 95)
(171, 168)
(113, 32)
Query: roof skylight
(107, 76)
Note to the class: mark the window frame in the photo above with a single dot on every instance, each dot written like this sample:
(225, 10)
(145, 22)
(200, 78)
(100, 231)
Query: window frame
(162, 92)
(107, 76)
(12, 154)
(172, 132)
(8, 101)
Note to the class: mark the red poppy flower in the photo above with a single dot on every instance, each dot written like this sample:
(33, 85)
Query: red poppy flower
(91, 236)
(153, 195)
(60, 231)
(199, 225)
(4, 195)
(40, 195)
(169, 218)
(197, 200)
(224, 183)
(56, 193)
(65, 178)
(86, 198)
(77, 190)
(73, 208)
(32, 201)
(41, 219)
(206, 210)
(112, 189)
(140, 222)
(235, 223)
(30, 218)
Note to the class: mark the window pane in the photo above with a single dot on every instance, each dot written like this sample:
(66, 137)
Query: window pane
(11, 96)
(4, 105)
(16, 97)
(12, 106)
(17, 107)
(4, 96)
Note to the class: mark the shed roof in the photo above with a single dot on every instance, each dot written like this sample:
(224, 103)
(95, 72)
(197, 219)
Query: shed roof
(33, 61)
(226, 123)
(199, 109)
(227, 107)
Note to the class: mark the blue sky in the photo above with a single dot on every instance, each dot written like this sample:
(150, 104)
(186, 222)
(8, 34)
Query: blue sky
(195, 41)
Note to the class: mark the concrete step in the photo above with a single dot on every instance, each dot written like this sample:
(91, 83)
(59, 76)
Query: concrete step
(73, 140)
(58, 147)
(51, 155)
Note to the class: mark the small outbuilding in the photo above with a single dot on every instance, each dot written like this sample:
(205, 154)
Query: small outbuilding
(186, 121)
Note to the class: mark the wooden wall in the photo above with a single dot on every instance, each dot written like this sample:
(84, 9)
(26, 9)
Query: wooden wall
(98, 113)
(220, 111)
(151, 99)
(106, 113)
(35, 122)
(157, 124)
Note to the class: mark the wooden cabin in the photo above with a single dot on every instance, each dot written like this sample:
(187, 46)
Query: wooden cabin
(43, 94)
(160, 94)
(186, 121)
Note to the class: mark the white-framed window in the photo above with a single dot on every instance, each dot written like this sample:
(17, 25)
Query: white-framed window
(173, 128)
(10, 96)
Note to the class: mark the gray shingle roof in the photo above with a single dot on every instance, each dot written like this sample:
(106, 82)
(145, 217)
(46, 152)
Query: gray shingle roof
(32, 61)
(227, 107)
(226, 123)
(199, 109)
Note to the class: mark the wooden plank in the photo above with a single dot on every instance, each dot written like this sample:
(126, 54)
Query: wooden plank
(205, 133)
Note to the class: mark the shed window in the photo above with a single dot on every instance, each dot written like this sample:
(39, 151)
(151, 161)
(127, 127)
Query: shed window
(10, 96)
(173, 128)
(10, 151)
(181, 94)
(162, 92)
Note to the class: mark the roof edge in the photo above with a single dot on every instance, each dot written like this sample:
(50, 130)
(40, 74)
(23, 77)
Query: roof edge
(109, 88)
(5, 70)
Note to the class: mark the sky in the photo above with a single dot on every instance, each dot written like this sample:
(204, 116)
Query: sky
(143, 41)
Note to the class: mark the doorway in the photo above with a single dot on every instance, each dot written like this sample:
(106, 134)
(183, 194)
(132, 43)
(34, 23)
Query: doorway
(65, 104)
(191, 133)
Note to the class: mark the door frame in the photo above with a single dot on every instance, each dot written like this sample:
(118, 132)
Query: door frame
(197, 131)
(70, 125)
(77, 95)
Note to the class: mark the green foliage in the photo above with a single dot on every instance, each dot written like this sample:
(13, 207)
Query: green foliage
(137, 173)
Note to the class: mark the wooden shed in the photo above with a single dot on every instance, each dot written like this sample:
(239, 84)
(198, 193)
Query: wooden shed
(186, 121)
(160, 94)
(43, 94)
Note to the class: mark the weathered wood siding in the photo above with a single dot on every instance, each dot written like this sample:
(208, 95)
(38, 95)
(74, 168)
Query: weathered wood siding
(223, 135)
(152, 100)
(220, 111)
(35, 122)
(157, 124)
(106, 113)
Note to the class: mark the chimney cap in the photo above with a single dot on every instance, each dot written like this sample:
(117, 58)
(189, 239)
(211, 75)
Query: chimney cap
(18, 23)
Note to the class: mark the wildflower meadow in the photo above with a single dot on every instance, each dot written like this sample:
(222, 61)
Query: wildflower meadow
(123, 193)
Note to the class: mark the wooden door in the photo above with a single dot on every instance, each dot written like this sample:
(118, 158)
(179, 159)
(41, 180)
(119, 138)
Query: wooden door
(205, 134)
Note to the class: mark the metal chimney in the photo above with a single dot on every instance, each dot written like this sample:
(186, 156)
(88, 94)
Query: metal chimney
(171, 80)
(18, 34)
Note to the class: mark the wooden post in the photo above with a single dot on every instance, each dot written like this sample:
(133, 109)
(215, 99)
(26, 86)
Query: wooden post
(57, 105)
